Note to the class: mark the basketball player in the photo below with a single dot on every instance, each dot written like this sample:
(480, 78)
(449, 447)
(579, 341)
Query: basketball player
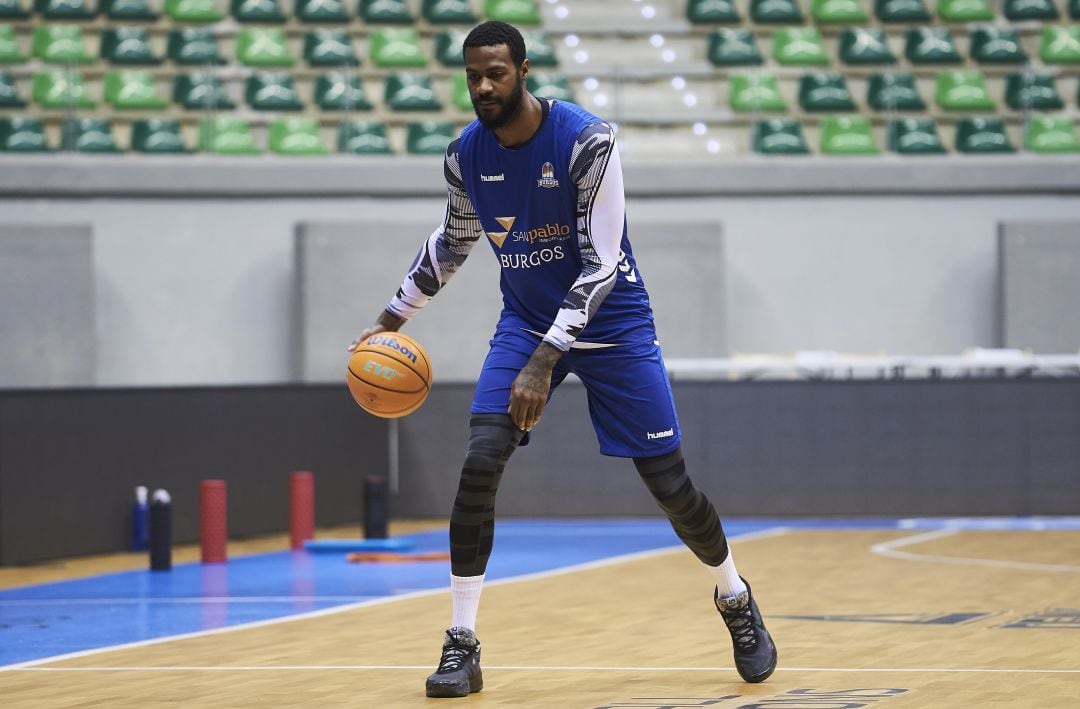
(540, 181)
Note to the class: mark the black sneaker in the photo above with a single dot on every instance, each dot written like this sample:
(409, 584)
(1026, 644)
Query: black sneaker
(459, 668)
(755, 654)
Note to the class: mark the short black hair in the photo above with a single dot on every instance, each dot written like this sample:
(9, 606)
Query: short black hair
(493, 33)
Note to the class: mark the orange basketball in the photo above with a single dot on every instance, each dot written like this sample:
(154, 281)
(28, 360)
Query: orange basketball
(389, 375)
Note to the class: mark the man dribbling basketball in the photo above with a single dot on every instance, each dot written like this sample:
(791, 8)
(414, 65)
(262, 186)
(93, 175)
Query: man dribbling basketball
(543, 181)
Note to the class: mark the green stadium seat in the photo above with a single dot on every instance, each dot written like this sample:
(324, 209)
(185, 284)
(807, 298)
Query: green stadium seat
(157, 135)
(1032, 92)
(931, 45)
(385, 12)
(1060, 45)
(831, 12)
(132, 90)
(129, 10)
(201, 91)
(429, 137)
(127, 45)
(411, 92)
(548, 85)
(702, 12)
(60, 89)
(1021, 10)
(265, 91)
(776, 12)
(257, 11)
(539, 50)
(60, 44)
(397, 48)
(756, 93)
(962, 90)
(847, 135)
(193, 11)
(516, 12)
(22, 134)
(459, 93)
(65, 9)
(734, 47)
(448, 50)
(997, 45)
(227, 135)
(865, 45)
(322, 11)
(263, 46)
(964, 11)
(9, 92)
(296, 136)
(88, 135)
(325, 47)
(337, 91)
(821, 91)
(914, 136)
(901, 11)
(982, 135)
(1051, 134)
(779, 136)
(13, 10)
(193, 46)
(799, 46)
(9, 46)
(447, 12)
(893, 92)
(363, 138)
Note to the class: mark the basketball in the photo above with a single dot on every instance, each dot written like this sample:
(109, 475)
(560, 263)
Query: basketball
(389, 375)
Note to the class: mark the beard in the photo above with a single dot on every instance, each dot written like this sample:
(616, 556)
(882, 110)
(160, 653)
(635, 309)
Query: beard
(510, 107)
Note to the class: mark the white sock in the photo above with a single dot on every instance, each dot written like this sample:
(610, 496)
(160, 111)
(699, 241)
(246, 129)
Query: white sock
(728, 583)
(465, 591)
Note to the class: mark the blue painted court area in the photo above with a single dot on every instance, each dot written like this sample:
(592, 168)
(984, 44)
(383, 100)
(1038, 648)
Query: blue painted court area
(72, 616)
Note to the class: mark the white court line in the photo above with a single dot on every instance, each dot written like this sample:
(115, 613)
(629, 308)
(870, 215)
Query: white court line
(890, 549)
(600, 563)
(532, 668)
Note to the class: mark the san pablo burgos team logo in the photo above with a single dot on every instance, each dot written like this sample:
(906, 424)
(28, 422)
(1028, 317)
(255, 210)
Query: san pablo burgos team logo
(547, 177)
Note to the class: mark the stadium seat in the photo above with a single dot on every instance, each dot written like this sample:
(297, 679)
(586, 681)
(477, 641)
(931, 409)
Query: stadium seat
(982, 135)
(226, 135)
(193, 11)
(901, 11)
(9, 92)
(1051, 134)
(1021, 10)
(22, 134)
(847, 135)
(516, 12)
(1032, 92)
(964, 11)
(779, 136)
(61, 89)
(539, 49)
(129, 10)
(447, 12)
(266, 91)
(733, 47)
(397, 48)
(88, 135)
(194, 45)
(65, 9)
(325, 47)
(60, 44)
(429, 137)
(411, 92)
(263, 46)
(962, 90)
(799, 46)
(459, 92)
(756, 93)
(549, 85)
(914, 136)
(13, 10)
(257, 11)
(831, 12)
(776, 12)
(385, 12)
(893, 92)
(865, 45)
(997, 45)
(322, 11)
(821, 91)
(127, 45)
(157, 135)
(363, 138)
(9, 46)
(931, 45)
(341, 92)
(296, 136)
(448, 49)
(129, 90)
(201, 90)
(712, 12)
(1060, 45)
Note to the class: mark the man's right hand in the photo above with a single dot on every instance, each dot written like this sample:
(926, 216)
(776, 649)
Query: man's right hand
(386, 321)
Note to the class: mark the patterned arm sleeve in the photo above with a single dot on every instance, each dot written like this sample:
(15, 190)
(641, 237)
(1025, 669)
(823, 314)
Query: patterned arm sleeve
(445, 250)
(601, 211)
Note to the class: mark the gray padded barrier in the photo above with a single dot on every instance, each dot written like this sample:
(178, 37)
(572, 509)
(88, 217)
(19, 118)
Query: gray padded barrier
(1040, 285)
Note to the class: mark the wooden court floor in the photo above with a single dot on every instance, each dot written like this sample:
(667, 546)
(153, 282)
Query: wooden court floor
(866, 618)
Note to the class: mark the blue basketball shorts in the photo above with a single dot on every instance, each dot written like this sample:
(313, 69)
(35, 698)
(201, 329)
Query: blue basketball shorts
(630, 400)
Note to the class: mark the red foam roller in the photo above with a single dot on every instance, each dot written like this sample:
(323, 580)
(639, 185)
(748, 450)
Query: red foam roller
(301, 508)
(213, 520)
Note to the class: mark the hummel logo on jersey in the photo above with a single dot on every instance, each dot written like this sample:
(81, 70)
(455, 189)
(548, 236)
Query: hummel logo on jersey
(661, 434)
(498, 237)
(547, 177)
(501, 177)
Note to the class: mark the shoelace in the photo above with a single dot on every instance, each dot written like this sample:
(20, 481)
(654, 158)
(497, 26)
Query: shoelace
(452, 657)
(741, 623)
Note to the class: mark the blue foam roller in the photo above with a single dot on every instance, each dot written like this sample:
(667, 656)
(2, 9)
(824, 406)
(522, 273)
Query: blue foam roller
(318, 546)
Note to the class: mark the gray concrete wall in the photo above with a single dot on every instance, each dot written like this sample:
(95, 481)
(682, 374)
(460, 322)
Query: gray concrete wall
(1040, 285)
